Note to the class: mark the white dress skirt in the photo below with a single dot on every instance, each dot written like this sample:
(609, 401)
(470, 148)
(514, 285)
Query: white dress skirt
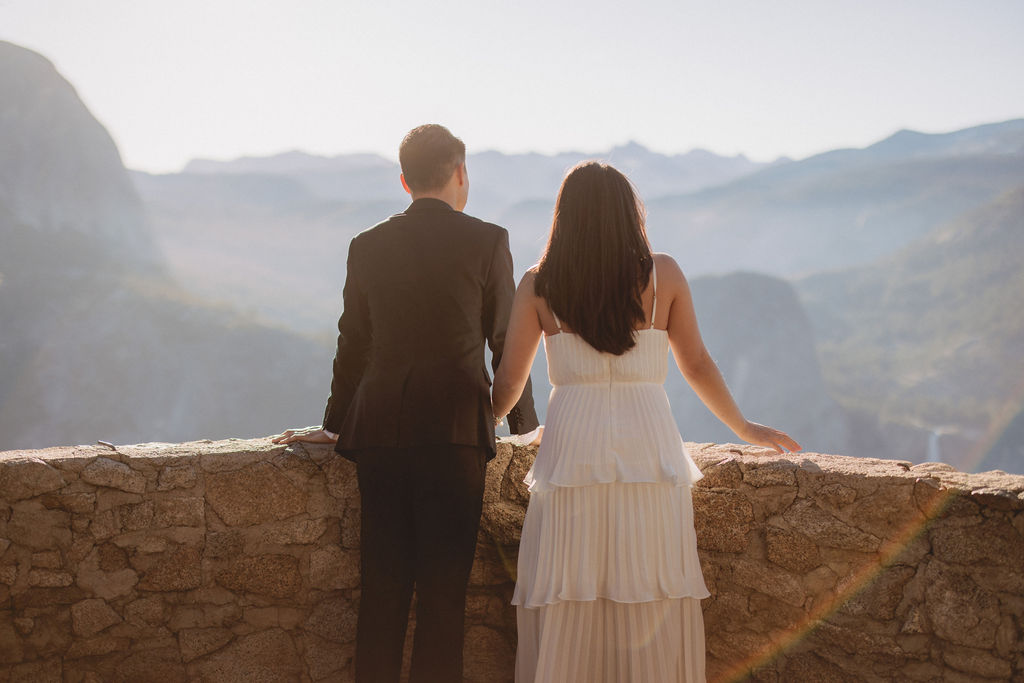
(609, 583)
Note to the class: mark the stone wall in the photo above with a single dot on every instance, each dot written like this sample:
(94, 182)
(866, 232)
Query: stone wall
(238, 561)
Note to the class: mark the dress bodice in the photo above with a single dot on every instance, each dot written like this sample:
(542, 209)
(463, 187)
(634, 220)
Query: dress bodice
(571, 360)
(609, 418)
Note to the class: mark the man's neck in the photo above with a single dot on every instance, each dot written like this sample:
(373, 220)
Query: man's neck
(448, 198)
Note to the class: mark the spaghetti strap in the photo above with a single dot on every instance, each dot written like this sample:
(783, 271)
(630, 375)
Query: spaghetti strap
(558, 323)
(654, 294)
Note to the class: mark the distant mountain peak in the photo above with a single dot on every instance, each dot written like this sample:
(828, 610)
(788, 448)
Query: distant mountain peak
(906, 133)
(630, 147)
(1006, 137)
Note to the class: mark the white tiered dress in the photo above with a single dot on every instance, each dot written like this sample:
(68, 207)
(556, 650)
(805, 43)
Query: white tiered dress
(609, 583)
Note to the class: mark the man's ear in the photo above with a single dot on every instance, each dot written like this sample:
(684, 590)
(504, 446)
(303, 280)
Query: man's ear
(461, 173)
(405, 185)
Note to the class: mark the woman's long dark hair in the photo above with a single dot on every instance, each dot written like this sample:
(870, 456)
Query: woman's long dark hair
(597, 260)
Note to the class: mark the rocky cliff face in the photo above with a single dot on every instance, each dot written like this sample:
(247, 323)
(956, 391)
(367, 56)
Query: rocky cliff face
(90, 322)
(757, 331)
(60, 171)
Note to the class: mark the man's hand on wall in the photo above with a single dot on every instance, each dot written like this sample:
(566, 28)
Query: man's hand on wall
(307, 434)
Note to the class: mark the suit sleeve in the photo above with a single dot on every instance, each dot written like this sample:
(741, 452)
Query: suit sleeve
(354, 336)
(498, 293)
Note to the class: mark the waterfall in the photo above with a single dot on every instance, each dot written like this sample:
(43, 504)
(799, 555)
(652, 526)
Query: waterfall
(933, 447)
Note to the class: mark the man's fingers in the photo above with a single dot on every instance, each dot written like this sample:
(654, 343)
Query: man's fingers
(289, 435)
(280, 438)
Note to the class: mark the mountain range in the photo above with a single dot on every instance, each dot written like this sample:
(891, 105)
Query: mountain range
(862, 299)
(819, 223)
(271, 213)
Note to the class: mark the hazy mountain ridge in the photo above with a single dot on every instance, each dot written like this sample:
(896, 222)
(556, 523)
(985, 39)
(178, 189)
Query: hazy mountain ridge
(830, 211)
(936, 324)
(841, 208)
(261, 243)
(127, 362)
(264, 233)
(991, 138)
(226, 192)
(288, 163)
(498, 179)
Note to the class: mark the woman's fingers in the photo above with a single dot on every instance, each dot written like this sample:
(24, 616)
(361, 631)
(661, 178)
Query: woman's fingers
(789, 443)
(777, 440)
(783, 442)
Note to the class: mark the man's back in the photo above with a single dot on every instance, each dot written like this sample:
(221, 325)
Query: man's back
(425, 289)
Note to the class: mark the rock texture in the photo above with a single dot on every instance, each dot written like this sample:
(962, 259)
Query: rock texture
(238, 560)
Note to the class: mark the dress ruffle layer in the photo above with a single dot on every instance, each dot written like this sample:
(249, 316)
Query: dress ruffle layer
(609, 419)
(603, 641)
(604, 434)
(624, 542)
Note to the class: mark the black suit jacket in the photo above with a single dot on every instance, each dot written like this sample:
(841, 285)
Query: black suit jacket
(424, 290)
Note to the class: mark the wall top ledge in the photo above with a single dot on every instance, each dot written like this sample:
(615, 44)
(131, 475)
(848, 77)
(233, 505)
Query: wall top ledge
(720, 463)
(761, 466)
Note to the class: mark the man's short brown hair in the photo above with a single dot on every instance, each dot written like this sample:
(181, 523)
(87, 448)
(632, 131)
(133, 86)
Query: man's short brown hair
(429, 155)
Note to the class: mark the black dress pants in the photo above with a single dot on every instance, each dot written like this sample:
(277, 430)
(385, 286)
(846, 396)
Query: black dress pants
(420, 514)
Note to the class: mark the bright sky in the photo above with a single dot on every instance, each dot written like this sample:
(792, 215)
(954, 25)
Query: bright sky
(174, 80)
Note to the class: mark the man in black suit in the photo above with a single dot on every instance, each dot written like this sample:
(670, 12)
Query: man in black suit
(410, 404)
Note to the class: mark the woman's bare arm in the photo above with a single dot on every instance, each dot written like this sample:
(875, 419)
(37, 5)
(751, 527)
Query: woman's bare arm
(521, 340)
(700, 370)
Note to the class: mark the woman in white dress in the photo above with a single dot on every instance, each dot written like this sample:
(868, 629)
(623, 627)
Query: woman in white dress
(609, 582)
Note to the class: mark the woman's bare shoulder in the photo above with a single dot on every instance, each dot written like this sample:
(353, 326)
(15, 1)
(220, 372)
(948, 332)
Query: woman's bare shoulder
(526, 286)
(668, 269)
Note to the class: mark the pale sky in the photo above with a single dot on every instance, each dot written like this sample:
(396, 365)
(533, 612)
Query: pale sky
(178, 79)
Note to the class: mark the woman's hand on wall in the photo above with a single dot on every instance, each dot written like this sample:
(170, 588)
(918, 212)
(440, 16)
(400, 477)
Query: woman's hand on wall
(762, 435)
